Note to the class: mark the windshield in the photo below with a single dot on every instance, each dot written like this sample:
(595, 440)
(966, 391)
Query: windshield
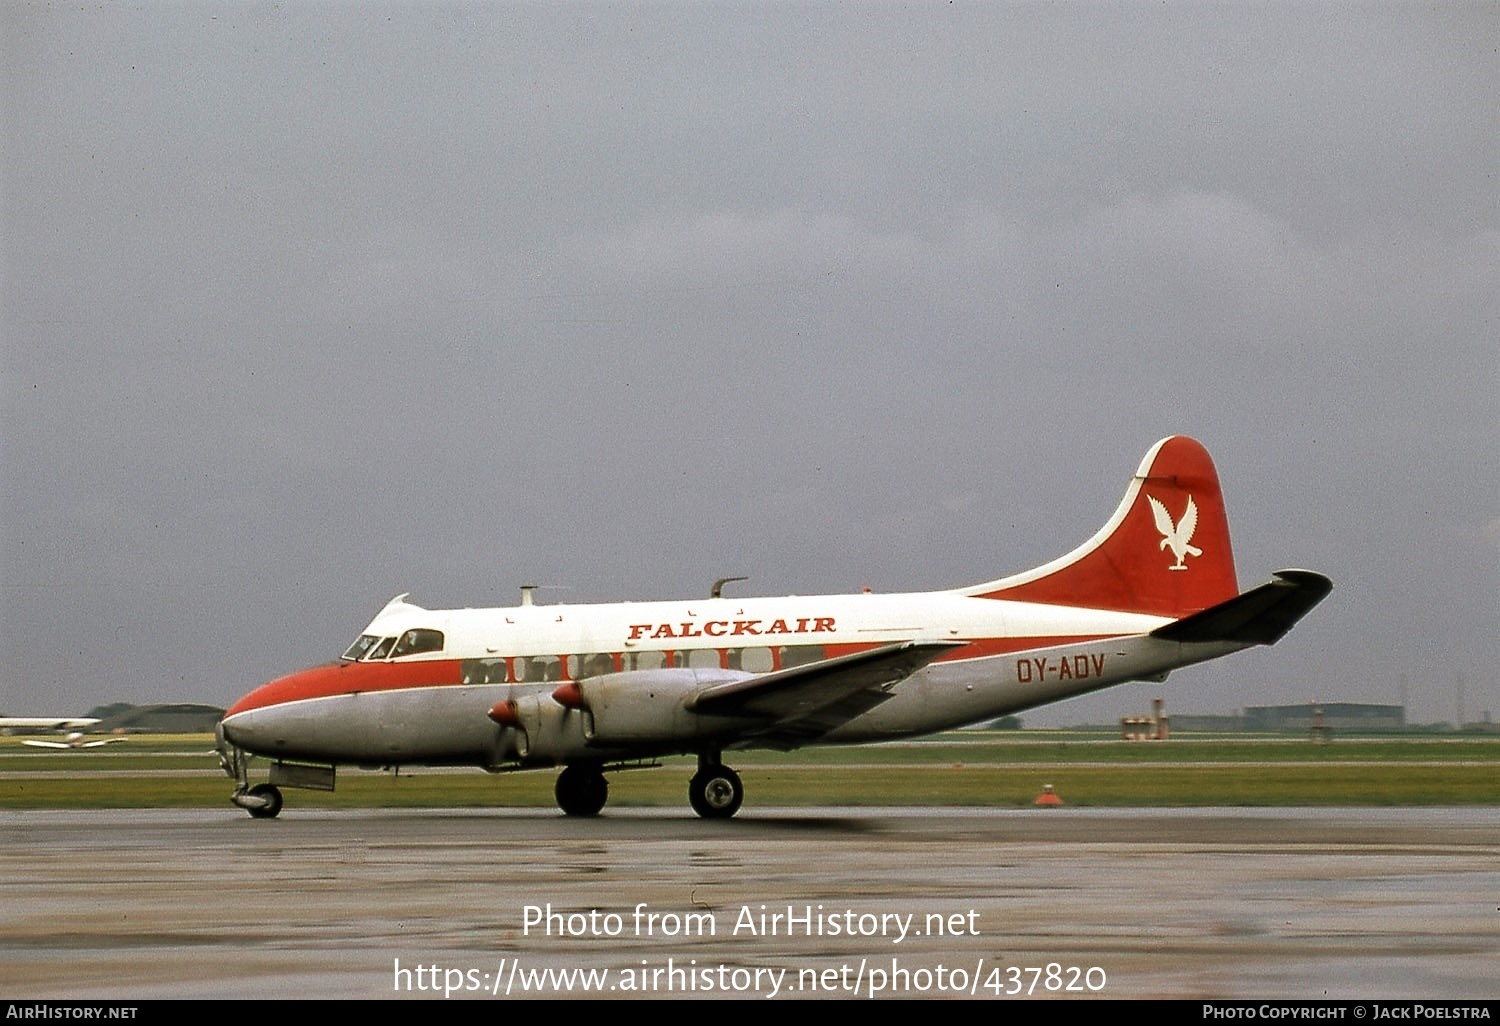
(361, 646)
(413, 642)
(419, 640)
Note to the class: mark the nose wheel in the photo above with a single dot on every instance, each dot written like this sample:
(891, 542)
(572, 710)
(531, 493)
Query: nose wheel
(263, 801)
(715, 792)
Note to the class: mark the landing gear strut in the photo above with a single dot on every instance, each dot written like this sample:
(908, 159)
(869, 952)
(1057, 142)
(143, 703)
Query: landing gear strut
(263, 801)
(581, 790)
(715, 792)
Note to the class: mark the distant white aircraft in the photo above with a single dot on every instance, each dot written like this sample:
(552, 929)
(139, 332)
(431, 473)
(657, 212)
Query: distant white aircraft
(45, 722)
(597, 688)
(74, 740)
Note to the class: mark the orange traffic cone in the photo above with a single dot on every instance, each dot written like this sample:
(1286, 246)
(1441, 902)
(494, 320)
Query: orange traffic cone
(1048, 796)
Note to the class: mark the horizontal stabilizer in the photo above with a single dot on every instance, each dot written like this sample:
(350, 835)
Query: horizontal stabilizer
(1261, 616)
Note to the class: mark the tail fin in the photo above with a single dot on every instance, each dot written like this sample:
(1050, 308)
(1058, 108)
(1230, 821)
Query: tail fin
(1164, 552)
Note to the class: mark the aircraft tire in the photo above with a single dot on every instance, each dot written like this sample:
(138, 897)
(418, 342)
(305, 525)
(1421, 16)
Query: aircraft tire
(272, 794)
(716, 792)
(581, 791)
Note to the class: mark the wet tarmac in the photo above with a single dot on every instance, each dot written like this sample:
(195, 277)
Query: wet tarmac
(1065, 903)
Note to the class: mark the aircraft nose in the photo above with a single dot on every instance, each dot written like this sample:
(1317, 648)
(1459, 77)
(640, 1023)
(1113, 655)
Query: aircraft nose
(247, 721)
(224, 737)
(289, 715)
(259, 728)
(231, 735)
(222, 745)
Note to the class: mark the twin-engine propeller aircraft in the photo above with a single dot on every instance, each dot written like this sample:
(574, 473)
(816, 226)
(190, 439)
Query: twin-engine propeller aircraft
(602, 687)
(76, 738)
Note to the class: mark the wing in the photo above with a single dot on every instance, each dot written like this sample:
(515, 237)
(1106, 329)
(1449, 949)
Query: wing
(45, 744)
(803, 703)
(1163, 518)
(1189, 522)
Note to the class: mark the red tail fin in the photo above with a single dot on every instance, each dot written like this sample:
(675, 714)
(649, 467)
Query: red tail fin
(1164, 552)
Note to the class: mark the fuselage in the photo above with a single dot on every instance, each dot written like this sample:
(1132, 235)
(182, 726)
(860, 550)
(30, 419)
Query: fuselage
(418, 686)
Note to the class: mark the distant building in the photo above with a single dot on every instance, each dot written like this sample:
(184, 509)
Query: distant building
(1333, 716)
(1156, 727)
(1313, 717)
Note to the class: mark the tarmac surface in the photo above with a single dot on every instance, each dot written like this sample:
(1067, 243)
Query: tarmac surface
(1353, 904)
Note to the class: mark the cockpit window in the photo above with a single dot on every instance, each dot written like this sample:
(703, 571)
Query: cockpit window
(419, 640)
(361, 646)
(413, 642)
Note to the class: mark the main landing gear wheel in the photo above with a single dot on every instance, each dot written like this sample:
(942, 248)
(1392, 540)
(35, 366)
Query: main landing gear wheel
(272, 795)
(581, 790)
(715, 792)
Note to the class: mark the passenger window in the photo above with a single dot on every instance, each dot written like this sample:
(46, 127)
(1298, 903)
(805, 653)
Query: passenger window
(537, 669)
(645, 660)
(484, 671)
(751, 660)
(800, 655)
(703, 659)
(595, 664)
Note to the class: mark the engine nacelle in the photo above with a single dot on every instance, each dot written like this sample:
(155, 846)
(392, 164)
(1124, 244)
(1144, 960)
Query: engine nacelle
(652, 705)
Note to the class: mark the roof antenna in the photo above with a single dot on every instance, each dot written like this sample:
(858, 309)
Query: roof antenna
(718, 589)
(528, 592)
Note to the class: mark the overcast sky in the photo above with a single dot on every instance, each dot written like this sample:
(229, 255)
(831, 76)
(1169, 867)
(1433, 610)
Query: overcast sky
(306, 305)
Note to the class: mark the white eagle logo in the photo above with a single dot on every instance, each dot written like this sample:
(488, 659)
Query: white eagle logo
(1178, 535)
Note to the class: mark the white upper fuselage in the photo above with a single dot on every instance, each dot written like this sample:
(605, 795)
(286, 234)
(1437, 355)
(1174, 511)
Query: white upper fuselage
(732, 624)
